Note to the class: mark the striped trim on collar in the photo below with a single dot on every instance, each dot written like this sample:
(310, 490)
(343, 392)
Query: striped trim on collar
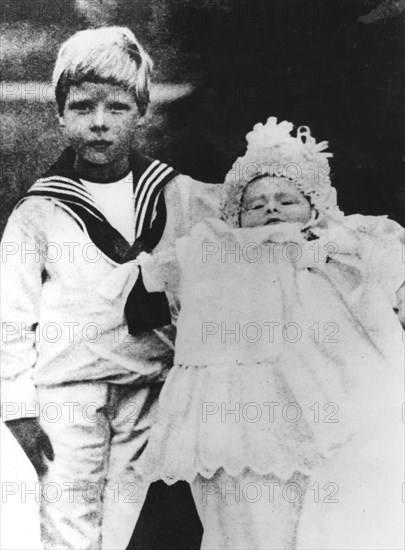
(147, 191)
(67, 191)
(150, 212)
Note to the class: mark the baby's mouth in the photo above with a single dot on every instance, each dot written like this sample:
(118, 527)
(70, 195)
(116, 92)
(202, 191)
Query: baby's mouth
(273, 221)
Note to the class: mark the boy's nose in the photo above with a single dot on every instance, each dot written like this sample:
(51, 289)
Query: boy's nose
(99, 120)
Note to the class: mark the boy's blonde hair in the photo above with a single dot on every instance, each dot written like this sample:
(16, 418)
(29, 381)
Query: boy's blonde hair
(108, 55)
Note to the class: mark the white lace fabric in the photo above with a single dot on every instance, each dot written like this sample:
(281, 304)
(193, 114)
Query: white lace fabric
(242, 397)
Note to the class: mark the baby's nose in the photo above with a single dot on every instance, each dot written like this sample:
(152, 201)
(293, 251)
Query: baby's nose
(272, 206)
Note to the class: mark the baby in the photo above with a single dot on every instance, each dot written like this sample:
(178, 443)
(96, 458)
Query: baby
(288, 379)
(271, 200)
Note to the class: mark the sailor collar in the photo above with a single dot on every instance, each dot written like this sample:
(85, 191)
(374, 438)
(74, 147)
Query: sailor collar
(62, 185)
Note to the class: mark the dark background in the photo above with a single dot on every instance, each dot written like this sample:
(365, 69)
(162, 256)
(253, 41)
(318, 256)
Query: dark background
(312, 62)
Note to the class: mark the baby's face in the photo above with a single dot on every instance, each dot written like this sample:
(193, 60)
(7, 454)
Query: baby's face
(271, 200)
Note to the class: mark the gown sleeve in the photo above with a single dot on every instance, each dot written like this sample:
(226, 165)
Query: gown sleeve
(382, 249)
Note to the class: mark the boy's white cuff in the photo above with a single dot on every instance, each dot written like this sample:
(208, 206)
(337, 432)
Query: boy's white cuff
(151, 273)
(19, 398)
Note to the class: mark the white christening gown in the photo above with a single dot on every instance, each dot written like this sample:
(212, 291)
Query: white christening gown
(289, 358)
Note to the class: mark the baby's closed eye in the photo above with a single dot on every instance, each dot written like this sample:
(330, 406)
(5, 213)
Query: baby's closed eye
(288, 202)
(254, 205)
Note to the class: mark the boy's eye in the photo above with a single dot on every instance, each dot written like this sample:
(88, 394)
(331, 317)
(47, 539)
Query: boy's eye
(80, 106)
(256, 206)
(119, 107)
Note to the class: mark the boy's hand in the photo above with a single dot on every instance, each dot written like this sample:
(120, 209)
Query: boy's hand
(400, 309)
(33, 441)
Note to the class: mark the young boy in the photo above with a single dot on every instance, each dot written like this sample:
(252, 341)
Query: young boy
(83, 358)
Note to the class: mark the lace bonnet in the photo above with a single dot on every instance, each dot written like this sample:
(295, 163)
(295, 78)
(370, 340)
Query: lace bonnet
(273, 151)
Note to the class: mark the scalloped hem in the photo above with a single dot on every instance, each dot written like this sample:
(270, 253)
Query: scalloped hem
(235, 470)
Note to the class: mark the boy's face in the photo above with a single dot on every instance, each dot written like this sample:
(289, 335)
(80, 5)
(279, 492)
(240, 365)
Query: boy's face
(99, 121)
(271, 200)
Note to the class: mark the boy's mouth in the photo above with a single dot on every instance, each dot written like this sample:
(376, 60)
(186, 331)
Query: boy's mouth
(273, 221)
(99, 144)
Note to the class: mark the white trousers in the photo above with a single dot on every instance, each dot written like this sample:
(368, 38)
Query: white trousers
(249, 511)
(91, 497)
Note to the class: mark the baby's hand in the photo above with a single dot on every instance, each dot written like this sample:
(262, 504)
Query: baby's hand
(33, 441)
